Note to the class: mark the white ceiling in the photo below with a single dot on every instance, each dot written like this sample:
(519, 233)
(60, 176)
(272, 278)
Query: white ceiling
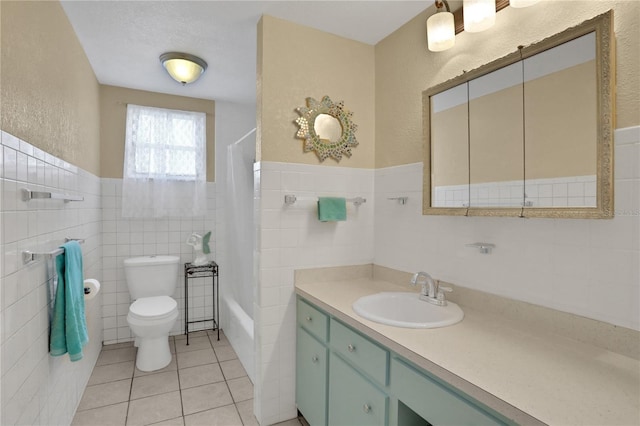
(123, 39)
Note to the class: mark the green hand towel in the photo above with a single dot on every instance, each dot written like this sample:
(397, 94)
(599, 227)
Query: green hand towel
(332, 209)
(205, 243)
(69, 325)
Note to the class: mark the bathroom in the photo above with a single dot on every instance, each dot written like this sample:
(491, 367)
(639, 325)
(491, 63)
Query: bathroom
(586, 267)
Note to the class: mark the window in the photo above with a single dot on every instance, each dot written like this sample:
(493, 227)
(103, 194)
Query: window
(165, 163)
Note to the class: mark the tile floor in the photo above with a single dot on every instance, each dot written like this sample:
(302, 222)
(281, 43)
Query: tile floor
(205, 384)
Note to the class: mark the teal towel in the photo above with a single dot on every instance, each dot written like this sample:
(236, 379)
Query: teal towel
(205, 243)
(69, 325)
(332, 209)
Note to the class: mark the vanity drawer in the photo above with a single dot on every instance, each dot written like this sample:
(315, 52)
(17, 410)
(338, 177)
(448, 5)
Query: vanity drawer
(313, 320)
(435, 402)
(360, 351)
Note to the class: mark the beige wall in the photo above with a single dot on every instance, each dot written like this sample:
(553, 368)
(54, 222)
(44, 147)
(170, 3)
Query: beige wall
(405, 67)
(450, 147)
(113, 107)
(496, 155)
(296, 62)
(571, 137)
(49, 94)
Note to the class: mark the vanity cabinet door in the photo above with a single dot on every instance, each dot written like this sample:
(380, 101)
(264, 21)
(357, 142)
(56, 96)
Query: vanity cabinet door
(353, 400)
(311, 378)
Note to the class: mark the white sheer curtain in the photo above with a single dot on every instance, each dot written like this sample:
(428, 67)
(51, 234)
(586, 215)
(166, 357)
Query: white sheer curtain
(164, 171)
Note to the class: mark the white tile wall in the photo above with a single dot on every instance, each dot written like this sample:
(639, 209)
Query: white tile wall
(289, 238)
(125, 237)
(37, 388)
(586, 267)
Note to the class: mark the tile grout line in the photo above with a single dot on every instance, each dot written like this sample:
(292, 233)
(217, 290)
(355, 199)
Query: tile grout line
(132, 376)
(226, 382)
(175, 347)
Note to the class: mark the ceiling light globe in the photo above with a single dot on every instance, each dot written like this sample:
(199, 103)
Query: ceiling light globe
(479, 15)
(182, 67)
(441, 32)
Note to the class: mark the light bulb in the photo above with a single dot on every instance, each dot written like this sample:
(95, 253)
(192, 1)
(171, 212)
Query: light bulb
(441, 32)
(522, 3)
(479, 15)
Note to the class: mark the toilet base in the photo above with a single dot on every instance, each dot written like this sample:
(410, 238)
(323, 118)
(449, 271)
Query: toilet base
(153, 353)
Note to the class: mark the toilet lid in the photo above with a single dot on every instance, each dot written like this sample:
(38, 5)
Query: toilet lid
(156, 307)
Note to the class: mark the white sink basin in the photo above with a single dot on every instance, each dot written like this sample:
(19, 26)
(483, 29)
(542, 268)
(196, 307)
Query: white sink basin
(404, 309)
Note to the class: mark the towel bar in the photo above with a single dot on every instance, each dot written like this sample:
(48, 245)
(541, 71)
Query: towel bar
(485, 248)
(401, 200)
(290, 199)
(29, 256)
(30, 195)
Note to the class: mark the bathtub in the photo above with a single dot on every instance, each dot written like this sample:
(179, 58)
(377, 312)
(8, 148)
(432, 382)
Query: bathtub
(238, 327)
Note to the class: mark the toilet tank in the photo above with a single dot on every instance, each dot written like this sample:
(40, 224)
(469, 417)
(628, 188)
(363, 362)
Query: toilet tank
(149, 276)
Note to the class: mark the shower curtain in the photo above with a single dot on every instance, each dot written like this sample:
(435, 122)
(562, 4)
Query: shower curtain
(239, 214)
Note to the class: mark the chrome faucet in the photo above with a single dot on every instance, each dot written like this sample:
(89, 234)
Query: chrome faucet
(428, 284)
(431, 291)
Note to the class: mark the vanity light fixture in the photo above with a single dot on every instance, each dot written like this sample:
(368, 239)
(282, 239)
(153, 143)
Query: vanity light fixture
(441, 30)
(522, 3)
(479, 15)
(183, 67)
(474, 16)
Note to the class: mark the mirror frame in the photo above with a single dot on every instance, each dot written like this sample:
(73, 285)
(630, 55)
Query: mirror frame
(313, 142)
(605, 78)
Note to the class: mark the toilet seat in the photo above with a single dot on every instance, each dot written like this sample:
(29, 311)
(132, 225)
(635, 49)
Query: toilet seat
(153, 308)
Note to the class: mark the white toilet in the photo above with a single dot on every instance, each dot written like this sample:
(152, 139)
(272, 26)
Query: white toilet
(152, 281)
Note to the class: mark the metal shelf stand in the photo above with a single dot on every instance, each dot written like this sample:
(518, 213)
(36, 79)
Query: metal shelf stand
(208, 270)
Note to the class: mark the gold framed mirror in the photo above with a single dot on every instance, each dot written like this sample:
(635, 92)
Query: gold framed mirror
(326, 128)
(530, 134)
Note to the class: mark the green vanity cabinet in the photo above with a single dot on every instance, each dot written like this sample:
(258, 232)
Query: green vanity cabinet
(344, 378)
(354, 400)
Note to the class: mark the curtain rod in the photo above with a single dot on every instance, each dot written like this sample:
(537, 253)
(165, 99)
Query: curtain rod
(154, 106)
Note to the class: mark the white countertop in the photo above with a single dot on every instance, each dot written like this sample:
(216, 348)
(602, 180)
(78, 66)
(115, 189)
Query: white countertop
(552, 378)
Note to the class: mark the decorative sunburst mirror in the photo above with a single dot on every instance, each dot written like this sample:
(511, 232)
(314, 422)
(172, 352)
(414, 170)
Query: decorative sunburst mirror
(326, 129)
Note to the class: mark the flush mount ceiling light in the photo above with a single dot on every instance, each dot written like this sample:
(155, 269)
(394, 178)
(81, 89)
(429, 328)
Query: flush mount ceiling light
(183, 67)
(441, 30)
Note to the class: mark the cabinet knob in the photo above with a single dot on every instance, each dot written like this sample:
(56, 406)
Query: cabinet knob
(314, 359)
(309, 319)
(366, 408)
(351, 348)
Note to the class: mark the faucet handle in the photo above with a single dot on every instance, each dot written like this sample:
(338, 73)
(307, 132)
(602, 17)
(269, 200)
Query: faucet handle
(440, 293)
